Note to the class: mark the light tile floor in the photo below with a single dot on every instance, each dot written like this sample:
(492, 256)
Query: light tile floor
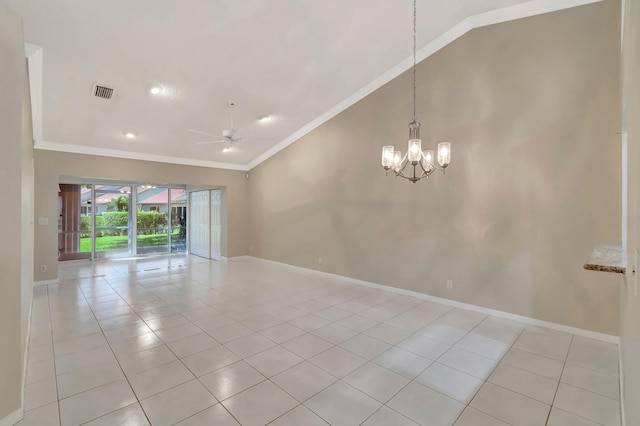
(182, 340)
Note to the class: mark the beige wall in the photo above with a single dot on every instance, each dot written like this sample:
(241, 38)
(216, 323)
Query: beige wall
(50, 165)
(532, 108)
(26, 217)
(16, 176)
(629, 300)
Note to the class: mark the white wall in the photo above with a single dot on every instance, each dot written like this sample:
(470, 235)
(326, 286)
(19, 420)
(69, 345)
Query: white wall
(16, 175)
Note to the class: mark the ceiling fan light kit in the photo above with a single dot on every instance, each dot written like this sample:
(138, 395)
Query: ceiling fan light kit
(156, 89)
(423, 163)
(228, 135)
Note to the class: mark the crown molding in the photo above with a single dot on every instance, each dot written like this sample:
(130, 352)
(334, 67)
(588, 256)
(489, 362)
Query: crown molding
(34, 55)
(519, 11)
(524, 10)
(106, 152)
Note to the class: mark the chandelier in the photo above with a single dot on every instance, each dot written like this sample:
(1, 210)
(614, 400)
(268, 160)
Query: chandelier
(423, 163)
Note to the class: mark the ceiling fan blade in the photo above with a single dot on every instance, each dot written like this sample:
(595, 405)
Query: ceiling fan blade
(255, 140)
(207, 142)
(206, 134)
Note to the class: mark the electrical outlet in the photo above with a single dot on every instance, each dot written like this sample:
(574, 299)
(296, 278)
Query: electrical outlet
(43, 221)
(250, 249)
(449, 285)
(43, 268)
(319, 261)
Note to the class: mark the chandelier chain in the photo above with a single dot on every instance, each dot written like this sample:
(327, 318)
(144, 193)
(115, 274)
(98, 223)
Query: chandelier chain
(415, 118)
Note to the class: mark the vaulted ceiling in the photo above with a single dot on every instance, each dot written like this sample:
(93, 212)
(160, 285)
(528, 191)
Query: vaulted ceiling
(297, 61)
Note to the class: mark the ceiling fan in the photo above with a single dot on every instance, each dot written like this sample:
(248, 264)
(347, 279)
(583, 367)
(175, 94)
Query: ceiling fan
(229, 136)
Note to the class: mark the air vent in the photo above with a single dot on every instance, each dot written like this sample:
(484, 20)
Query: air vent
(102, 92)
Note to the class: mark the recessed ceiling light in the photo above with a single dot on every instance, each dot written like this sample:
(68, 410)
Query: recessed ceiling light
(156, 90)
(265, 119)
(130, 135)
(226, 149)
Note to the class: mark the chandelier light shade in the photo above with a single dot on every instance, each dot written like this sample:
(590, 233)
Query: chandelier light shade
(387, 156)
(444, 154)
(423, 163)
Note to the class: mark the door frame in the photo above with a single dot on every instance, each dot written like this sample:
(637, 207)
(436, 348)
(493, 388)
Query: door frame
(132, 250)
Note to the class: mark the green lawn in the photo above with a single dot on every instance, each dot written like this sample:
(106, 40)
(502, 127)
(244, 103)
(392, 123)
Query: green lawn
(122, 242)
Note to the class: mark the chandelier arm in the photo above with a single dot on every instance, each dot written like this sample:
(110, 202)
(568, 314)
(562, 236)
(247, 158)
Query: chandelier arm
(414, 178)
(399, 174)
(409, 178)
(439, 167)
(400, 171)
(404, 162)
(426, 172)
(429, 172)
(436, 166)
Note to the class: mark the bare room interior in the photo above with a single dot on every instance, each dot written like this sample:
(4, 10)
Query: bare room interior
(408, 212)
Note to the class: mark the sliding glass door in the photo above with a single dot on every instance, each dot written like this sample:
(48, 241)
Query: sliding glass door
(178, 220)
(152, 227)
(75, 226)
(100, 221)
(112, 221)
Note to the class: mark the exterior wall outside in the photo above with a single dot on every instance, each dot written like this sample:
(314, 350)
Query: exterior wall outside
(162, 208)
(532, 108)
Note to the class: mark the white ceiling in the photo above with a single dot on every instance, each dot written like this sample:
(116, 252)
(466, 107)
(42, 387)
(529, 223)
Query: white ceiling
(300, 61)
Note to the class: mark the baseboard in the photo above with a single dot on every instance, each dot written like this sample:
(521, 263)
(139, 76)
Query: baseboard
(623, 417)
(494, 312)
(26, 349)
(46, 282)
(12, 418)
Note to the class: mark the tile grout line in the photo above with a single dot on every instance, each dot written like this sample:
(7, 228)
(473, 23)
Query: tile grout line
(165, 344)
(397, 347)
(399, 310)
(303, 360)
(53, 349)
(486, 380)
(564, 364)
(178, 358)
(361, 333)
(115, 357)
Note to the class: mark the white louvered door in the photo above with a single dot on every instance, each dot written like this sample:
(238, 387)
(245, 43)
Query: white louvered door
(216, 228)
(199, 224)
